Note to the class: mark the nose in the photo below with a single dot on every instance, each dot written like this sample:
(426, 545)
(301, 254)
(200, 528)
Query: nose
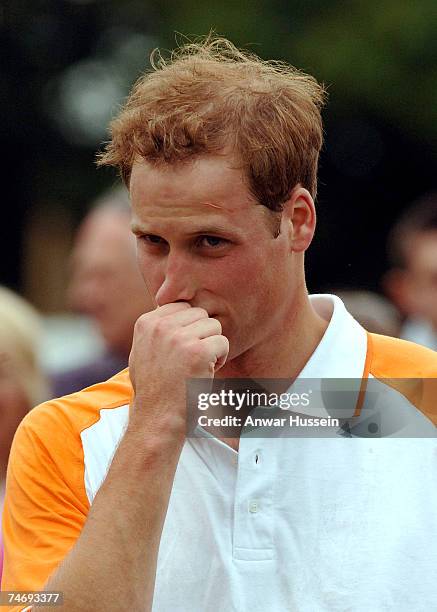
(178, 283)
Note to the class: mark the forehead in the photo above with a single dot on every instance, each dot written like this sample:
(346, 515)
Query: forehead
(208, 189)
(103, 225)
(104, 235)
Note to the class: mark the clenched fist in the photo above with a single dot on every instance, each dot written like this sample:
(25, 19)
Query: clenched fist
(171, 344)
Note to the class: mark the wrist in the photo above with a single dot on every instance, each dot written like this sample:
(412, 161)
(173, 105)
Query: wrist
(155, 439)
(158, 420)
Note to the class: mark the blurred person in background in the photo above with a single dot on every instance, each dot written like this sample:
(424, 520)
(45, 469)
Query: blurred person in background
(105, 285)
(22, 383)
(411, 283)
(374, 312)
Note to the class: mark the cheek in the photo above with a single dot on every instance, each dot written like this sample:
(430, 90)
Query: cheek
(149, 271)
(251, 282)
(229, 277)
(152, 283)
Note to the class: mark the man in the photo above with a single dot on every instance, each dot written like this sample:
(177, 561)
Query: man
(108, 495)
(104, 272)
(412, 281)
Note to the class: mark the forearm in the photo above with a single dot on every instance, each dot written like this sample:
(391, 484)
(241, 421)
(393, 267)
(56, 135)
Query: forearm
(112, 565)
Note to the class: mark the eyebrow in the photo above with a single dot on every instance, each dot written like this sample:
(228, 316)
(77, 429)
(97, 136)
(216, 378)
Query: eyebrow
(215, 228)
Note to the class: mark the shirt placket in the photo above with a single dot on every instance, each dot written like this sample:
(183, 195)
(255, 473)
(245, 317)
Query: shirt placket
(253, 508)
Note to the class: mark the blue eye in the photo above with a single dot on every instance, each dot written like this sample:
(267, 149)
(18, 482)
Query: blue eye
(211, 241)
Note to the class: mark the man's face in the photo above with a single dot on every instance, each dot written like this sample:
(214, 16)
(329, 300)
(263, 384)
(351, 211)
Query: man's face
(106, 284)
(421, 276)
(203, 239)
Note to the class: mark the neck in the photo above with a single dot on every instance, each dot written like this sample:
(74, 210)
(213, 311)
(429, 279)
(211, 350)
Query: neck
(283, 353)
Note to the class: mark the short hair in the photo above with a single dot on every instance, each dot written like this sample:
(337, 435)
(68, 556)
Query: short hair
(419, 218)
(209, 97)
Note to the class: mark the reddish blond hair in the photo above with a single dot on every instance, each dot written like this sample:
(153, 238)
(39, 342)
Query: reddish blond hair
(210, 97)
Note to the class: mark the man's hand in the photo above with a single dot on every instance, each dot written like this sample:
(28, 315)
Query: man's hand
(171, 344)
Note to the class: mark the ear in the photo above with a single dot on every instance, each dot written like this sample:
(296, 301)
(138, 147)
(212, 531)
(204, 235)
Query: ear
(299, 215)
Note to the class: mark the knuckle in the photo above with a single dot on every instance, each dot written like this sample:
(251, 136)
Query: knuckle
(140, 324)
(202, 312)
(179, 336)
(160, 327)
(196, 352)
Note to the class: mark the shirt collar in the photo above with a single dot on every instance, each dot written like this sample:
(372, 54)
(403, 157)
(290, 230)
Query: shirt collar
(342, 351)
(341, 354)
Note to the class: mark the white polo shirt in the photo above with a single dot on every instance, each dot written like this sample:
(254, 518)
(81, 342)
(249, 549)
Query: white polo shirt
(307, 524)
(335, 524)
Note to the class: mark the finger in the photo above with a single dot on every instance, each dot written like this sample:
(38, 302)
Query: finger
(171, 308)
(204, 328)
(181, 318)
(220, 362)
(217, 348)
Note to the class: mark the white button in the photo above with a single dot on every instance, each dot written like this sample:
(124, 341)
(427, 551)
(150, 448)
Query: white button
(253, 506)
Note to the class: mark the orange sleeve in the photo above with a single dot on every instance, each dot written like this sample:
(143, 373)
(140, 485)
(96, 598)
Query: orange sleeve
(46, 503)
(409, 368)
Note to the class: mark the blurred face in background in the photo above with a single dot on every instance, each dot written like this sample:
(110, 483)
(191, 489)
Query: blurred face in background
(419, 285)
(106, 284)
(14, 404)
